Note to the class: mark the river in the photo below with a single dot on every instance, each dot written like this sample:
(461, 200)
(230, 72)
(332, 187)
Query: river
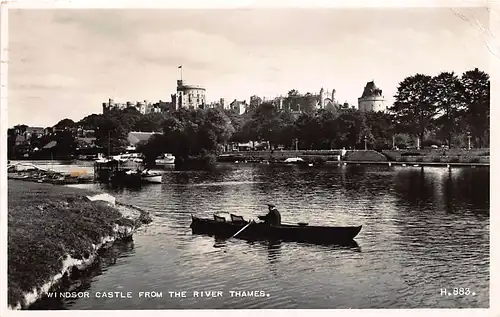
(424, 230)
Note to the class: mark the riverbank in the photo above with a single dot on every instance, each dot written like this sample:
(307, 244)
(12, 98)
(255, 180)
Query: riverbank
(55, 232)
(424, 156)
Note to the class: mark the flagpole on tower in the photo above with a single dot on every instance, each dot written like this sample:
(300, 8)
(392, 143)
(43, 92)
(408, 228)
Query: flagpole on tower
(181, 70)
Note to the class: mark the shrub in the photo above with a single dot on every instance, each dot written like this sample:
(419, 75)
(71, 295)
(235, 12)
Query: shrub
(454, 160)
(436, 160)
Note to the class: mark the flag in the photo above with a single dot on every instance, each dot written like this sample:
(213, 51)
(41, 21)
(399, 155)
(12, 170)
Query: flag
(179, 66)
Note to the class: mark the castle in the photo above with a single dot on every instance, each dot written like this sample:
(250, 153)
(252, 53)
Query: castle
(144, 107)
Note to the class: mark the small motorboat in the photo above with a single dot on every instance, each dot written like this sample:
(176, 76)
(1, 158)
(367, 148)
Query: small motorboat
(294, 160)
(165, 159)
(152, 177)
(301, 232)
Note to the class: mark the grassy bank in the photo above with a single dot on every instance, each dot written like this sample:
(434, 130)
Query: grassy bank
(45, 224)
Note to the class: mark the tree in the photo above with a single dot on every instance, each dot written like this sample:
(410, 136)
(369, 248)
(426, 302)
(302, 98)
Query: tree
(329, 130)
(91, 122)
(150, 122)
(381, 128)
(193, 135)
(20, 128)
(476, 91)
(365, 134)
(348, 124)
(414, 108)
(111, 134)
(448, 99)
(264, 124)
(65, 124)
(308, 131)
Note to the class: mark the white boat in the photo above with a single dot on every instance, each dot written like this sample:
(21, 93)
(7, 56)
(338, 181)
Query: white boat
(152, 177)
(294, 160)
(129, 160)
(165, 159)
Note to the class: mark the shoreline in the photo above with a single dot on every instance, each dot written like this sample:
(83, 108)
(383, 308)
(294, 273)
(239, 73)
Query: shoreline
(454, 157)
(56, 232)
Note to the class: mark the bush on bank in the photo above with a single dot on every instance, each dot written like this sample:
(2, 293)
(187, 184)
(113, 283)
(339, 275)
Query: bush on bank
(46, 223)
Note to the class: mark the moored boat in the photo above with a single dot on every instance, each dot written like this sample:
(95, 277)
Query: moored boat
(165, 159)
(152, 177)
(300, 232)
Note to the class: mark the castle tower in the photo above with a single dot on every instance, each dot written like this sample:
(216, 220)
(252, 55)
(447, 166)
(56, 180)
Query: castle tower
(371, 99)
(321, 97)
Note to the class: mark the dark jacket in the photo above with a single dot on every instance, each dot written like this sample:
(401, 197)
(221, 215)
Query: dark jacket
(273, 217)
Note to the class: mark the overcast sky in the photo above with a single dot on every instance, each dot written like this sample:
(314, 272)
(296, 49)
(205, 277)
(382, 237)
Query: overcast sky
(65, 63)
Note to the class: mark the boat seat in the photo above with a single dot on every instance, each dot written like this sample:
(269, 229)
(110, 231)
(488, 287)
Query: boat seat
(235, 218)
(219, 218)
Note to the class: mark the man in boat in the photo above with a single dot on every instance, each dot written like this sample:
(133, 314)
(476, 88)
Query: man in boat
(273, 217)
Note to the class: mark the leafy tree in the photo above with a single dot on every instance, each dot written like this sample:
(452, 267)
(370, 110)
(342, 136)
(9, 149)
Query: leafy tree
(65, 124)
(381, 128)
(264, 124)
(151, 122)
(476, 90)
(191, 135)
(91, 122)
(348, 123)
(308, 131)
(365, 134)
(329, 130)
(111, 134)
(448, 98)
(414, 108)
(21, 128)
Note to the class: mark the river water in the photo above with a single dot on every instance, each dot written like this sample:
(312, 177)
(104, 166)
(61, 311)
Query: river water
(424, 230)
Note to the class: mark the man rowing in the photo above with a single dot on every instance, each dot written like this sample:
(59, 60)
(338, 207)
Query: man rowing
(273, 217)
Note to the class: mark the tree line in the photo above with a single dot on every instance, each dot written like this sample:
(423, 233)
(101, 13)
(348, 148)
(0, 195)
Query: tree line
(446, 109)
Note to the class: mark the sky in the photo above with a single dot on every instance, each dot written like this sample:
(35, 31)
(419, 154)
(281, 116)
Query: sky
(64, 63)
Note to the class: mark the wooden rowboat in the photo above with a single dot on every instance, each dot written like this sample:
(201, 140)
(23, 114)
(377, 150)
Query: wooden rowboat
(301, 232)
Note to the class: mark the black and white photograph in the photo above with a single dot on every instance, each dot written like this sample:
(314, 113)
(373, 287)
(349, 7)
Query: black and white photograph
(247, 157)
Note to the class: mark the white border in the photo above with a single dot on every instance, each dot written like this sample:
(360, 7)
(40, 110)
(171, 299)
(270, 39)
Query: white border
(495, 66)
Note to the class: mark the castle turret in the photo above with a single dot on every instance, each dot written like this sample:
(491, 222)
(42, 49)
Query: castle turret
(371, 99)
(321, 97)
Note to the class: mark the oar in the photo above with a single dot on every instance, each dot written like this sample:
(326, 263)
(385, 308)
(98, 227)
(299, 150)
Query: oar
(234, 235)
(237, 233)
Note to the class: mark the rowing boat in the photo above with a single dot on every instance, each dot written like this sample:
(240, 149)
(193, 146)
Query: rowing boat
(300, 232)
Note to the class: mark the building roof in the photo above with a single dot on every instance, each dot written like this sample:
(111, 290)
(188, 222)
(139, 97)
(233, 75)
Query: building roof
(371, 90)
(34, 129)
(237, 103)
(50, 145)
(135, 137)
